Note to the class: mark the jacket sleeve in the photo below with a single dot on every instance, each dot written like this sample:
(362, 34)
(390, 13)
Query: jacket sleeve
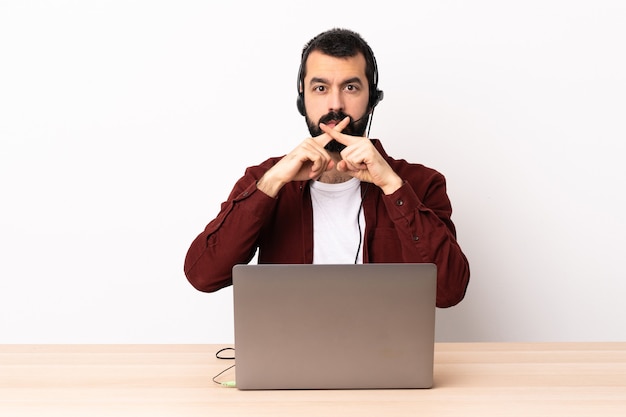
(231, 238)
(427, 234)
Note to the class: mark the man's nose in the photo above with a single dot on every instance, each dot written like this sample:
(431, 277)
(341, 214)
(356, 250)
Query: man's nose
(335, 101)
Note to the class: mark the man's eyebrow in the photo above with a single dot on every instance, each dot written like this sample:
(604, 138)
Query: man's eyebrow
(316, 80)
(353, 80)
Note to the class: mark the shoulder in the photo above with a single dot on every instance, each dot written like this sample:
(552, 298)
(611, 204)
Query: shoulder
(256, 171)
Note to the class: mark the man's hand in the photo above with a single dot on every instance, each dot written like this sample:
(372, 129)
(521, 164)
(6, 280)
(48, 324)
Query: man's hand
(309, 160)
(361, 160)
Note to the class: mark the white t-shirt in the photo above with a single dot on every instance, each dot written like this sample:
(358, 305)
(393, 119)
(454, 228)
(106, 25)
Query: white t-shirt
(338, 222)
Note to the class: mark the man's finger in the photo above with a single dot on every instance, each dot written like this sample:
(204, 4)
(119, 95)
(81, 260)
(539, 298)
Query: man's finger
(338, 136)
(324, 138)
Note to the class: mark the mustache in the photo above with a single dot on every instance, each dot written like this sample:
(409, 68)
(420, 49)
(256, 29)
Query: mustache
(333, 116)
(339, 116)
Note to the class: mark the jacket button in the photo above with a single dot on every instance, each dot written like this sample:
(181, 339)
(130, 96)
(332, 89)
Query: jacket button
(416, 238)
(399, 202)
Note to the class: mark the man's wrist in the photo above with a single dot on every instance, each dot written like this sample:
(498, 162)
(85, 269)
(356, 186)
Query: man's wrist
(269, 186)
(392, 186)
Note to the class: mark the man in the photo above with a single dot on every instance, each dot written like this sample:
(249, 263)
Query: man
(337, 197)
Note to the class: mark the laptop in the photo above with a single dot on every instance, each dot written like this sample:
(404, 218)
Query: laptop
(366, 326)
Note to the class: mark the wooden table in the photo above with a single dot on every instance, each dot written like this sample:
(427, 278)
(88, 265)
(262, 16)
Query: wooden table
(471, 379)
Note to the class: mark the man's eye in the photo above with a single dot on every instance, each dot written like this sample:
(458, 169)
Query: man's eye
(320, 89)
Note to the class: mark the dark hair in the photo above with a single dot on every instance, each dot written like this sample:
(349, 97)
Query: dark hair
(342, 43)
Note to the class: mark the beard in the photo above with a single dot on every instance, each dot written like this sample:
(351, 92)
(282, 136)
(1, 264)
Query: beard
(354, 128)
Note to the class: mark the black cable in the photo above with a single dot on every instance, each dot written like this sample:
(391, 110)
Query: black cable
(358, 222)
(369, 123)
(219, 355)
(358, 215)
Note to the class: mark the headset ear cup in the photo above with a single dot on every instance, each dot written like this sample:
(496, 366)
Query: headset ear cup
(300, 104)
(378, 97)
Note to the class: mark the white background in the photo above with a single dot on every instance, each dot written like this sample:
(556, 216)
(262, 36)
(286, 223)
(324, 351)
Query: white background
(124, 125)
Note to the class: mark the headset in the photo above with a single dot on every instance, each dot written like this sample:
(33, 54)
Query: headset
(375, 95)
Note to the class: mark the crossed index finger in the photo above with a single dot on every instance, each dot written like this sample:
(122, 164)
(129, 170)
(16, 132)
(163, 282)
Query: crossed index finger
(336, 134)
(325, 137)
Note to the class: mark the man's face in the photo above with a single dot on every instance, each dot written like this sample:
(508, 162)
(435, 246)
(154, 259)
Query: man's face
(333, 89)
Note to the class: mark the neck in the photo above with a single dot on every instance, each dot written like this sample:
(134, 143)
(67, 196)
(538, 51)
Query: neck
(333, 176)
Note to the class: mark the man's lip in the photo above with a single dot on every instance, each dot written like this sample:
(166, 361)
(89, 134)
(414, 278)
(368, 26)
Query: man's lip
(332, 123)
